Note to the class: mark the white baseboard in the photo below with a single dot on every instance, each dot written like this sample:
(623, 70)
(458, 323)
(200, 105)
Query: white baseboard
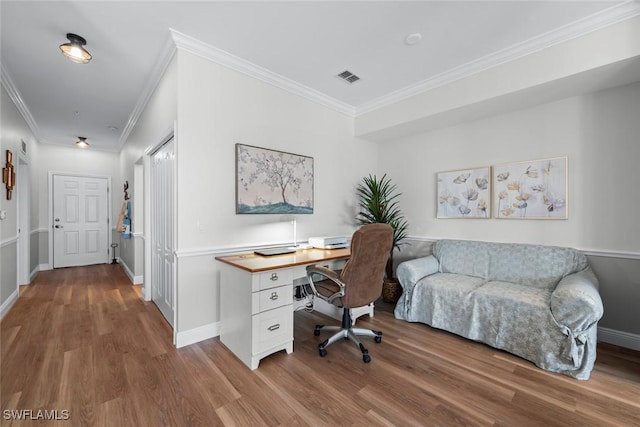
(6, 306)
(34, 273)
(136, 280)
(622, 339)
(195, 335)
(44, 267)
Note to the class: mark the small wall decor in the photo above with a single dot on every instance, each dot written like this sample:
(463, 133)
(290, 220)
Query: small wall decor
(535, 189)
(273, 182)
(8, 174)
(464, 193)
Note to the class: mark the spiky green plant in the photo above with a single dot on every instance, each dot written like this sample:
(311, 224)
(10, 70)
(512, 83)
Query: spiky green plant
(378, 204)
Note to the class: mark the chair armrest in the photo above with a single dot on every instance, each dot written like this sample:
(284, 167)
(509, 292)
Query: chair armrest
(576, 302)
(410, 272)
(324, 271)
(329, 274)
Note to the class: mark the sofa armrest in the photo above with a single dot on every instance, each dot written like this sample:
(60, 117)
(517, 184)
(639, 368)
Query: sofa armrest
(410, 272)
(576, 302)
(576, 307)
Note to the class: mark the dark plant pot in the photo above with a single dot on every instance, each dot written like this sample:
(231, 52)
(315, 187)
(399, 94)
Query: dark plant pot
(391, 290)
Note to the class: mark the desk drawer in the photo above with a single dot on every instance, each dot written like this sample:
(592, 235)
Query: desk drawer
(272, 279)
(271, 328)
(272, 298)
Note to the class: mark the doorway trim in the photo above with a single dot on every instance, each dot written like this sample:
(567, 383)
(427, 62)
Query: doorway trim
(110, 223)
(168, 134)
(24, 221)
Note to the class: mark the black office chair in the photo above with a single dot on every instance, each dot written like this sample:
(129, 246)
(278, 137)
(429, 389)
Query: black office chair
(358, 284)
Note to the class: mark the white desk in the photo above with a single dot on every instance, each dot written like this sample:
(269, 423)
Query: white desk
(256, 300)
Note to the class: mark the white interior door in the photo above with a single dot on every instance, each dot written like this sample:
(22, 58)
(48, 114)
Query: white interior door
(80, 221)
(162, 244)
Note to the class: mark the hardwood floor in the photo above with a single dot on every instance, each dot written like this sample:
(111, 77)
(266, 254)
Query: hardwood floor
(81, 340)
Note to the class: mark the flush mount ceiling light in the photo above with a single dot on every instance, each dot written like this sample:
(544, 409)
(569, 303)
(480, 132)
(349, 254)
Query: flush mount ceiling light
(82, 142)
(74, 50)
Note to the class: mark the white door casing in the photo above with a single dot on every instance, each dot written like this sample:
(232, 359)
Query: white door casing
(80, 222)
(162, 232)
(24, 221)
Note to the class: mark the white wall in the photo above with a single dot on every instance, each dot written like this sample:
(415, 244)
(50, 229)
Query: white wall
(598, 133)
(13, 130)
(73, 161)
(217, 108)
(153, 125)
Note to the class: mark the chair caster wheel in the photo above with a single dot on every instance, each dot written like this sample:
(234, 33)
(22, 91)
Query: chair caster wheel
(322, 352)
(366, 358)
(378, 339)
(316, 331)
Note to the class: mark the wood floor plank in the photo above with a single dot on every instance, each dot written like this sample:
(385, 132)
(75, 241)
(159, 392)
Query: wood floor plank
(83, 340)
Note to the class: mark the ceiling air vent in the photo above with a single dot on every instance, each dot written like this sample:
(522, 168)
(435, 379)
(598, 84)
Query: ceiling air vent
(348, 76)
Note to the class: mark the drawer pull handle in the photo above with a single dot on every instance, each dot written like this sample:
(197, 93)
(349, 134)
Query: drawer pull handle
(274, 277)
(274, 327)
(274, 296)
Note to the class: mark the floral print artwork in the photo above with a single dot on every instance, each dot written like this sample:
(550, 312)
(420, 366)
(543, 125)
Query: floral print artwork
(535, 189)
(464, 193)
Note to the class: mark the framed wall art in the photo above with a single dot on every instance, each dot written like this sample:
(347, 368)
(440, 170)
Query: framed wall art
(464, 193)
(535, 189)
(273, 182)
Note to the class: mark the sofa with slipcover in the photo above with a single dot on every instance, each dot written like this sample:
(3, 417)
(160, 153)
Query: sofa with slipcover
(538, 302)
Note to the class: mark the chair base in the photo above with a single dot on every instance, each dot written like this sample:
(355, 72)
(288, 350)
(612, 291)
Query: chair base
(346, 331)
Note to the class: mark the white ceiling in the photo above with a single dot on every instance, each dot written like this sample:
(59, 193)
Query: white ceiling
(303, 43)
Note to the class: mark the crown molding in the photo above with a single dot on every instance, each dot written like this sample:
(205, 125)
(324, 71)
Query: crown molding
(11, 89)
(219, 56)
(602, 19)
(166, 55)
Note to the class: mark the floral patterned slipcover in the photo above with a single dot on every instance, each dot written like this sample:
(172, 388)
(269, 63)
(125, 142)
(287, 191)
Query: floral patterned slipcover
(538, 302)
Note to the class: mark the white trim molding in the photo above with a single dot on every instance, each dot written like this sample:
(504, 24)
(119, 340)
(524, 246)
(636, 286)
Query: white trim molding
(10, 240)
(13, 93)
(168, 51)
(34, 273)
(609, 16)
(6, 306)
(619, 338)
(226, 59)
(607, 253)
(610, 254)
(602, 19)
(136, 280)
(198, 334)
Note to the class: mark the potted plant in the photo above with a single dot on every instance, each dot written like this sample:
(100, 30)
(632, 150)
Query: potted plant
(378, 204)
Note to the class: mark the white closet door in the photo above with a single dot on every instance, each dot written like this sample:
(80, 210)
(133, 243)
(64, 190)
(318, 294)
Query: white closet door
(162, 244)
(80, 221)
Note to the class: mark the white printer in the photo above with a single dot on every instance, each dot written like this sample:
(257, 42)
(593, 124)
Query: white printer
(325, 242)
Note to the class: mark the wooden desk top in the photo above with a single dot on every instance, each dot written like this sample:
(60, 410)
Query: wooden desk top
(257, 263)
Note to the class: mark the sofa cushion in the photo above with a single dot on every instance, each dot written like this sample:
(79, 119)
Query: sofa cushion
(440, 299)
(532, 265)
(463, 257)
(504, 307)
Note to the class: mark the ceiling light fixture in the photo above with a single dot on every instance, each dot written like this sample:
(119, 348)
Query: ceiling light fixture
(74, 50)
(82, 142)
